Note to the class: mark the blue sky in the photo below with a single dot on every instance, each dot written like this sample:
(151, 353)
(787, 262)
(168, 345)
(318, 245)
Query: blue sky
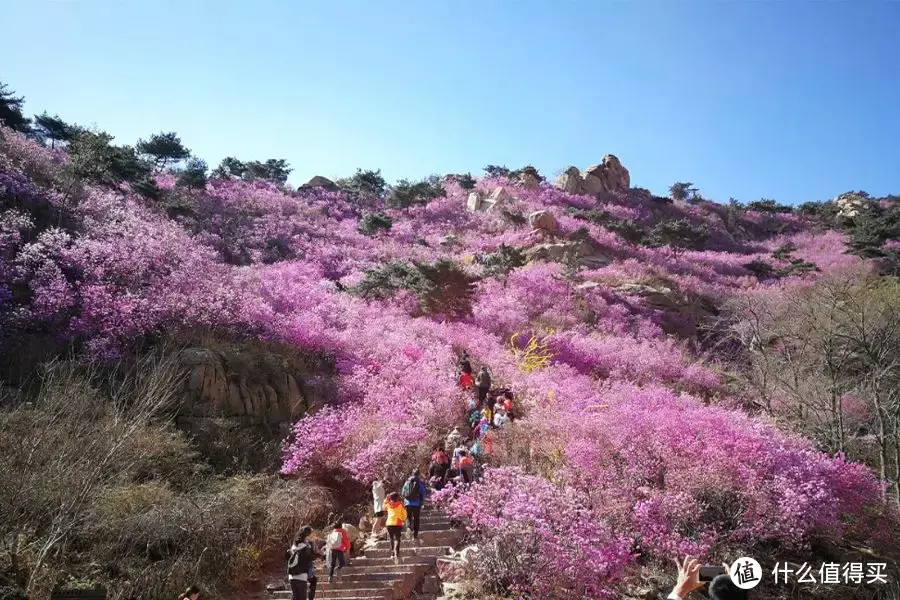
(794, 100)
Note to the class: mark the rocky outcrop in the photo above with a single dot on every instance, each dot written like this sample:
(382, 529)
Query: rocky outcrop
(570, 181)
(475, 201)
(851, 204)
(544, 221)
(529, 181)
(607, 176)
(585, 253)
(528, 178)
(321, 182)
(680, 312)
(610, 173)
(257, 386)
(498, 200)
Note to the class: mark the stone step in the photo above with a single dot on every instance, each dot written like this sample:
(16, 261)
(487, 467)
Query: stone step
(384, 569)
(444, 523)
(386, 594)
(426, 537)
(356, 583)
(409, 550)
(424, 540)
(386, 578)
(407, 561)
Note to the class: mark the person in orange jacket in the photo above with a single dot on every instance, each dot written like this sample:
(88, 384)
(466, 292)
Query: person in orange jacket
(396, 517)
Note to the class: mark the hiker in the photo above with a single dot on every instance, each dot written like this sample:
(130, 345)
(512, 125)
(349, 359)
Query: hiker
(492, 399)
(458, 453)
(500, 418)
(720, 588)
(474, 416)
(466, 381)
(439, 456)
(483, 382)
(192, 593)
(453, 475)
(465, 366)
(337, 547)
(414, 493)
(482, 428)
(378, 505)
(436, 482)
(467, 467)
(477, 450)
(454, 439)
(439, 464)
(396, 517)
(299, 558)
(436, 475)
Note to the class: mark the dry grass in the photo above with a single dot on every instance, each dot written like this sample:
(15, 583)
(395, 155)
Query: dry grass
(98, 486)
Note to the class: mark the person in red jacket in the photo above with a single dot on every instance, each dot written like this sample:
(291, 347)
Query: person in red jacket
(466, 381)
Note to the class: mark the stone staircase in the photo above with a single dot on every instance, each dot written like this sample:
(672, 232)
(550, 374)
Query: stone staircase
(376, 576)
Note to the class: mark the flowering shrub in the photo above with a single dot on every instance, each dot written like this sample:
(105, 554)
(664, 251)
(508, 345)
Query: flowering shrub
(619, 459)
(547, 530)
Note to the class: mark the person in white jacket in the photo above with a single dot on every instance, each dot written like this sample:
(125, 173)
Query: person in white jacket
(500, 418)
(454, 439)
(378, 497)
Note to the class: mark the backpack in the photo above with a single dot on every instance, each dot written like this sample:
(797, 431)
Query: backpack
(299, 560)
(411, 490)
(466, 461)
(336, 540)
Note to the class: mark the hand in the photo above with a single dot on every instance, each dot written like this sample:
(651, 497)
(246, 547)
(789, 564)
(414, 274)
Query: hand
(688, 577)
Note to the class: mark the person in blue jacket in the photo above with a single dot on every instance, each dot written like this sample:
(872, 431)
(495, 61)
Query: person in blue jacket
(414, 493)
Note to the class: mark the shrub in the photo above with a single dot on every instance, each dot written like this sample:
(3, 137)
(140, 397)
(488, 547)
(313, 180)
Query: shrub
(503, 260)
(769, 206)
(760, 268)
(441, 287)
(784, 251)
(496, 171)
(365, 186)
(679, 234)
(628, 230)
(465, 180)
(193, 175)
(406, 193)
(372, 223)
(797, 266)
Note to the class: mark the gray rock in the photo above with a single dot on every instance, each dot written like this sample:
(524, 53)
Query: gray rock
(321, 182)
(570, 181)
(544, 221)
(475, 201)
(612, 176)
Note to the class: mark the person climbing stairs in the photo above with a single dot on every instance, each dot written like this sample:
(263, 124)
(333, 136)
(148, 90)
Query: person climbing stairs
(375, 575)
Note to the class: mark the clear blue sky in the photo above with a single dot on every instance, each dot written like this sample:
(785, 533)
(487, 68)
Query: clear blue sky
(793, 100)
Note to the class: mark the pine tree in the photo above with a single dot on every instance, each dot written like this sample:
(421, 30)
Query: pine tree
(53, 129)
(193, 176)
(11, 110)
(163, 149)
